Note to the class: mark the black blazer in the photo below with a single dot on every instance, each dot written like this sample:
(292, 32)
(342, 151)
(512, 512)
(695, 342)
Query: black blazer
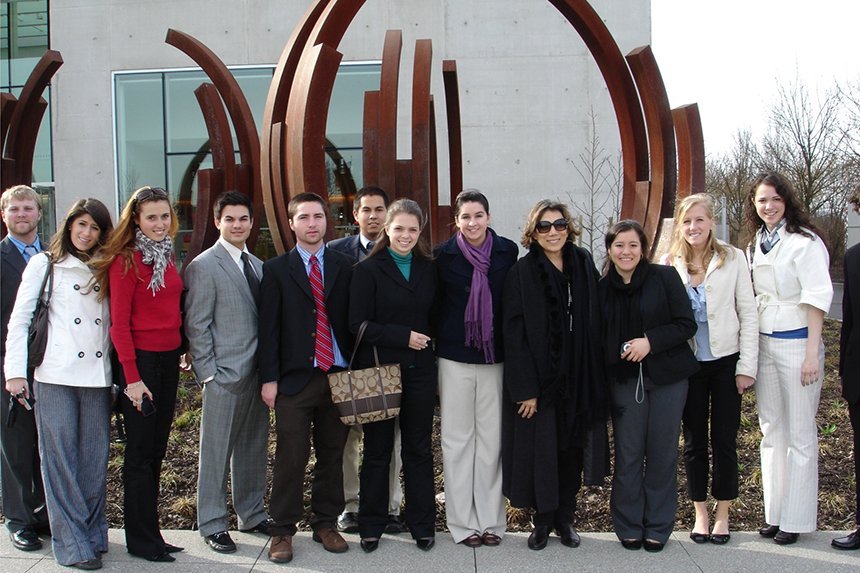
(11, 268)
(287, 318)
(849, 342)
(667, 319)
(349, 246)
(455, 282)
(394, 307)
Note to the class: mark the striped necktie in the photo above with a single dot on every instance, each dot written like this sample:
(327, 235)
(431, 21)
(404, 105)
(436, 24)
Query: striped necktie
(29, 252)
(323, 348)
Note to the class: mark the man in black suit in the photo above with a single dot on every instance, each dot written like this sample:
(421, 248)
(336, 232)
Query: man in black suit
(303, 334)
(849, 367)
(369, 209)
(20, 476)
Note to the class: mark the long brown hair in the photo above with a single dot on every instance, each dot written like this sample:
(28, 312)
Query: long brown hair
(405, 207)
(122, 240)
(61, 243)
(679, 246)
(797, 220)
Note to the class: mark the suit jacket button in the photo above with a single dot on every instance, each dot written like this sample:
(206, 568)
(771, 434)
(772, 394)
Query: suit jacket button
(313, 334)
(311, 358)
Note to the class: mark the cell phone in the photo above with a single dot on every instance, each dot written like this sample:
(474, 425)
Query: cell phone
(28, 401)
(147, 408)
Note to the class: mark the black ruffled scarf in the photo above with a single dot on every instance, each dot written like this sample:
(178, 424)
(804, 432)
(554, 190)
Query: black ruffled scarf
(623, 317)
(578, 387)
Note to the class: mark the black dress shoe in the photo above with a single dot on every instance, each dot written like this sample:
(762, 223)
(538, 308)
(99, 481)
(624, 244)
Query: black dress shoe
(850, 541)
(568, 534)
(768, 530)
(539, 537)
(168, 548)
(699, 537)
(369, 544)
(631, 544)
(220, 542)
(347, 522)
(262, 527)
(720, 538)
(26, 539)
(425, 543)
(653, 546)
(162, 558)
(395, 525)
(785, 538)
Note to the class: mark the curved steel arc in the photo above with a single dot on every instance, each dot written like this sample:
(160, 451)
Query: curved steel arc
(240, 114)
(388, 86)
(661, 139)
(691, 150)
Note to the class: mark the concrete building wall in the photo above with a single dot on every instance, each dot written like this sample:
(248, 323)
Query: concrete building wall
(527, 82)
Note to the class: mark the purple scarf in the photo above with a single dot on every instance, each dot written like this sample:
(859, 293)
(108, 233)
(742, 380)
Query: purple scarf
(479, 308)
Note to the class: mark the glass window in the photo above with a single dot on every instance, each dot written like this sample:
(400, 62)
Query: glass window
(140, 133)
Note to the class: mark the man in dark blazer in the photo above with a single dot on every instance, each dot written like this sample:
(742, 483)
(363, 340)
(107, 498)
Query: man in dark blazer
(369, 209)
(849, 367)
(303, 334)
(221, 325)
(23, 494)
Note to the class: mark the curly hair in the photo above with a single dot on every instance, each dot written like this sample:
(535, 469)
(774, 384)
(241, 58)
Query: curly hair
(537, 212)
(797, 219)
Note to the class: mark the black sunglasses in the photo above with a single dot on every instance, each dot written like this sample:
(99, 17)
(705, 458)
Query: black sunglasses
(543, 227)
(151, 194)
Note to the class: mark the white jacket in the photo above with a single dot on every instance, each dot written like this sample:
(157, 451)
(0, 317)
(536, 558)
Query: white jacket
(78, 351)
(795, 273)
(732, 319)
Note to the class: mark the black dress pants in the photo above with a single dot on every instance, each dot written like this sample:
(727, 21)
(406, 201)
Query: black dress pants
(416, 428)
(712, 403)
(854, 414)
(145, 450)
(23, 494)
(569, 483)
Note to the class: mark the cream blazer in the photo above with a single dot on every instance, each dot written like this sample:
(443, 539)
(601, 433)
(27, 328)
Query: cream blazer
(78, 351)
(732, 318)
(795, 273)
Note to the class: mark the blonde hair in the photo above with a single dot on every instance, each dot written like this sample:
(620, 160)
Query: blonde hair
(21, 193)
(679, 246)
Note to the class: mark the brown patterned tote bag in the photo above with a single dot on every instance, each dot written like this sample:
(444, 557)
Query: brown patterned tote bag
(366, 395)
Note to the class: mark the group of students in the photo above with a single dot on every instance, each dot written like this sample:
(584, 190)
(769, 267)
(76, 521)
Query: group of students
(529, 357)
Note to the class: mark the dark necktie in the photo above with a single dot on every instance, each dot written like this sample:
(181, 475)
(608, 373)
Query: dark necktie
(251, 277)
(323, 347)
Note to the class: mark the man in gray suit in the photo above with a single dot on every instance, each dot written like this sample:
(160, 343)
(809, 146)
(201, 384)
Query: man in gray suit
(221, 324)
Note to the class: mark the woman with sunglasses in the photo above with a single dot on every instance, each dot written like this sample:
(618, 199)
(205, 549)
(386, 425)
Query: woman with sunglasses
(145, 289)
(718, 284)
(72, 384)
(553, 377)
(472, 268)
(647, 322)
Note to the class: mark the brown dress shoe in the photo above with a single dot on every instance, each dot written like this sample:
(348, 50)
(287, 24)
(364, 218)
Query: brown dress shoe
(331, 540)
(281, 550)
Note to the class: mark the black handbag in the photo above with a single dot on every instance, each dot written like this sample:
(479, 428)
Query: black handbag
(37, 335)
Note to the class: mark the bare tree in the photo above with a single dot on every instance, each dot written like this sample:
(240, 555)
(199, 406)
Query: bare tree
(729, 176)
(600, 174)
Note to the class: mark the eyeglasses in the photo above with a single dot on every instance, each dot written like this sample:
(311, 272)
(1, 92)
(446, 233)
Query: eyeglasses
(543, 227)
(151, 194)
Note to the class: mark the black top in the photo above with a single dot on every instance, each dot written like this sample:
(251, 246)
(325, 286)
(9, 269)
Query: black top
(455, 282)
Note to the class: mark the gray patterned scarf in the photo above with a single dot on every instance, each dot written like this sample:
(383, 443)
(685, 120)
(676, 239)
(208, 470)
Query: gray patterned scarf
(158, 255)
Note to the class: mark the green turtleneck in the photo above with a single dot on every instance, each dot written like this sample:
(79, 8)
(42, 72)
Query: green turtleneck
(403, 262)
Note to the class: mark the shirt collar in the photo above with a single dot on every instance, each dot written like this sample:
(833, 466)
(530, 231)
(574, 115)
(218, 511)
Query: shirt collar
(234, 253)
(765, 234)
(364, 241)
(21, 244)
(306, 256)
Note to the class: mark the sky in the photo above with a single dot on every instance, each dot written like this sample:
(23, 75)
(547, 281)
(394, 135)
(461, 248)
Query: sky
(728, 55)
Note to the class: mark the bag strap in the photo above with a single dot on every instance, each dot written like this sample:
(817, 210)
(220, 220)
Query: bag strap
(48, 280)
(358, 338)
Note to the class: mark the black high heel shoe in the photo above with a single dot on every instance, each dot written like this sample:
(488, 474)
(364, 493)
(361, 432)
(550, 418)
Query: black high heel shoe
(369, 544)
(425, 543)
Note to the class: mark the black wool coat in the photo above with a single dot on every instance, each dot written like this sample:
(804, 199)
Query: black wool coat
(530, 448)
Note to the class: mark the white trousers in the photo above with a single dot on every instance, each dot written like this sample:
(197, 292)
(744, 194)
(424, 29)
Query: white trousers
(789, 444)
(351, 457)
(471, 405)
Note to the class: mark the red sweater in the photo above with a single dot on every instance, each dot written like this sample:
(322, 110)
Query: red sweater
(139, 319)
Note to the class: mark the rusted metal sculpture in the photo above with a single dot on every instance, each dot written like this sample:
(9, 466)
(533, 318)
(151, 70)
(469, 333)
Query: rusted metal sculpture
(293, 147)
(19, 124)
(243, 177)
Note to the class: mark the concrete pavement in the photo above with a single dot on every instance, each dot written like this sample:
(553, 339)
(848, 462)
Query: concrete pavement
(599, 552)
